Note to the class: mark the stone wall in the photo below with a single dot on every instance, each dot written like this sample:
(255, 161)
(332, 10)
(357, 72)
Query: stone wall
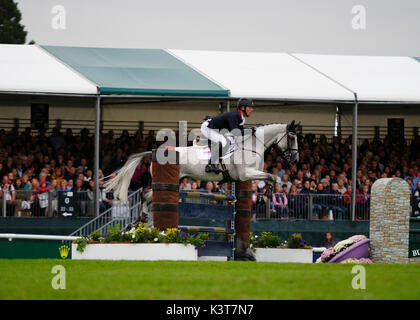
(390, 221)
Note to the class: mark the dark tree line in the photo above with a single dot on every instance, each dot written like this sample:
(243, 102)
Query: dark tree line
(11, 30)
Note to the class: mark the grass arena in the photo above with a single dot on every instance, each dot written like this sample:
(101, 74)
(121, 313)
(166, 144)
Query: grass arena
(323, 210)
(168, 280)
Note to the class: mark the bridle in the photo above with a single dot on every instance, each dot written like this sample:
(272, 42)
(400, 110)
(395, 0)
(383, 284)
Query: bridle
(287, 152)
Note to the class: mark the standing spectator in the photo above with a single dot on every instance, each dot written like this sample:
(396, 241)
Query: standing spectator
(91, 198)
(254, 198)
(294, 203)
(42, 194)
(413, 178)
(54, 196)
(80, 198)
(7, 191)
(20, 196)
(364, 204)
(416, 192)
(34, 201)
(347, 200)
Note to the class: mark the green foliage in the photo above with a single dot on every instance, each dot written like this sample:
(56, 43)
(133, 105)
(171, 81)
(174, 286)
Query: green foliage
(81, 244)
(267, 239)
(11, 30)
(197, 240)
(296, 242)
(95, 236)
(114, 234)
(144, 234)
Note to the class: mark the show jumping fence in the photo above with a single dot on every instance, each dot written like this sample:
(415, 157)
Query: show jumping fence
(167, 208)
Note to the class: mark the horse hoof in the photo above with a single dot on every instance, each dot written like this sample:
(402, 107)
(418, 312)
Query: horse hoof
(248, 255)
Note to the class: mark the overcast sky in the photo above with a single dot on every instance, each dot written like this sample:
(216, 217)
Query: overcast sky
(374, 27)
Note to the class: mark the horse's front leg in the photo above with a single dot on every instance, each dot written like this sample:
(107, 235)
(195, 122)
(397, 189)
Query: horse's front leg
(254, 174)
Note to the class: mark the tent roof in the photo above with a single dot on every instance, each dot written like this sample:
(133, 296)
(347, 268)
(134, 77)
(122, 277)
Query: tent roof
(187, 73)
(152, 72)
(265, 75)
(28, 69)
(373, 78)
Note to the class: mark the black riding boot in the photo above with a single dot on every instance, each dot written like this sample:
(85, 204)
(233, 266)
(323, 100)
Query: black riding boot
(212, 167)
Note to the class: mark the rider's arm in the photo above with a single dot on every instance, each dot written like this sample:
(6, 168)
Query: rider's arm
(235, 123)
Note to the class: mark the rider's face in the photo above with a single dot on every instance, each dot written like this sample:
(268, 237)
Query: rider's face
(249, 110)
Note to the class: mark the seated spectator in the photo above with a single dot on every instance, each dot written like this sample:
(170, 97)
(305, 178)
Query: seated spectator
(328, 241)
(280, 201)
(57, 175)
(25, 182)
(63, 185)
(341, 187)
(70, 184)
(185, 184)
(286, 181)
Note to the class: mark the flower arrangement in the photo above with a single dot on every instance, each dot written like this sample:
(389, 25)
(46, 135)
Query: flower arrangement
(268, 240)
(329, 253)
(143, 234)
(357, 261)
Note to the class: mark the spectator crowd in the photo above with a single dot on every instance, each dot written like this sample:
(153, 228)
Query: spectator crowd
(34, 164)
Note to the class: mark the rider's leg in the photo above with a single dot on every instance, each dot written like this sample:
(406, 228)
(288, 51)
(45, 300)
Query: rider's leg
(216, 143)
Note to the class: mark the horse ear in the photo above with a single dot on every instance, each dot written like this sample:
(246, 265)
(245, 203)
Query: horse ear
(292, 126)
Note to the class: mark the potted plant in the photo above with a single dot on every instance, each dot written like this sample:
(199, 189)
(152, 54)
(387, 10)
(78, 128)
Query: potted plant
(352, 250)
(141, 243)
(270, 248)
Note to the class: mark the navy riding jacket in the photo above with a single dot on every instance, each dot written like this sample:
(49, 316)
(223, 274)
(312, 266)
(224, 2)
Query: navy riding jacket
(229, 121)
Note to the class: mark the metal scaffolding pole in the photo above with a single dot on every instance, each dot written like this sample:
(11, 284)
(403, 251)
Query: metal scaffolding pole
(96, 159)
(354, 159)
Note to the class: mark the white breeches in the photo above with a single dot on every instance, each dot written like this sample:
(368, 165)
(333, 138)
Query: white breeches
(212, 135)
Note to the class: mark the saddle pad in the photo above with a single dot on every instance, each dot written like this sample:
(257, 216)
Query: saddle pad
(205, 153)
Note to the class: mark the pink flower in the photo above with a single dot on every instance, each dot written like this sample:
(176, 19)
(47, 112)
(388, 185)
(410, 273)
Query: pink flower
(327, 254)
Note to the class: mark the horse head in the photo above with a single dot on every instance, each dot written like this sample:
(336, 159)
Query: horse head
(292, 153)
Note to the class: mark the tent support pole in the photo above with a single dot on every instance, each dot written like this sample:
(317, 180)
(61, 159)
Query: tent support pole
(354, 159)
(96, 160)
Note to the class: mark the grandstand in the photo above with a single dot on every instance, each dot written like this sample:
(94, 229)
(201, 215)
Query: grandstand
(84, 119)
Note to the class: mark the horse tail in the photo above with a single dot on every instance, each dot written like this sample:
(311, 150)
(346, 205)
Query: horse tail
(119, 181)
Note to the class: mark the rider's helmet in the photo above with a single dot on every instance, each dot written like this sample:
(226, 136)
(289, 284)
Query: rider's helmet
(243, 103)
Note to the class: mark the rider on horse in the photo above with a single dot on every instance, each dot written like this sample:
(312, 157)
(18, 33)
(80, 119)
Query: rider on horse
(212, 126)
